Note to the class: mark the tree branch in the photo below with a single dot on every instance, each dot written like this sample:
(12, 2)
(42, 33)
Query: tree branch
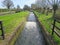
(49, 2)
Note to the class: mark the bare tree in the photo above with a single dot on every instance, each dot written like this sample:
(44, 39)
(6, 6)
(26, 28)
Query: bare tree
(54, 4)
(33, 6)
(38, 4)
(18, 8)
(47, 8)
(26, 7)
(8, 4)
(41, 4)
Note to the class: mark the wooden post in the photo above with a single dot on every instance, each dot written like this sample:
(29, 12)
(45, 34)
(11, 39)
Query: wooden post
(53, 26)
(2, 30)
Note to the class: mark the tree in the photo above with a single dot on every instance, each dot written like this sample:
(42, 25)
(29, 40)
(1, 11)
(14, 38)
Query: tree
(41, 4)
(33, 6)
(18, 8)
(8, 4)
(26, 7)
(47, 8)
(47, 11)
(54, 4)
(38, 4)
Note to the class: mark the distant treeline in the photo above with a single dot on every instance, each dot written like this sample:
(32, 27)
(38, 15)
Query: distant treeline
(5, 10)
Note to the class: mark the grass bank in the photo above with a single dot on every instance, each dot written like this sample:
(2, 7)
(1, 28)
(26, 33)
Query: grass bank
(11, 22)
(47, 21)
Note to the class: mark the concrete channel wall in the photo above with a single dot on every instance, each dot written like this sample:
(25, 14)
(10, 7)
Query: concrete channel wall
(14, 37)
(47, 36)
(31, 34)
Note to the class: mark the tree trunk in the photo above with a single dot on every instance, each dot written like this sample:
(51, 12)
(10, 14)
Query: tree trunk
(54, 13)
(43, 11)
(47, 11)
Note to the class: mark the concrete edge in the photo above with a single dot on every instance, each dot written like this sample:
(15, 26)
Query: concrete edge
(47, 36)
(15, 34)
(17, 30)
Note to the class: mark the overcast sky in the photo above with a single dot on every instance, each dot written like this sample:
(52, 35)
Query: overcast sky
(20, 2)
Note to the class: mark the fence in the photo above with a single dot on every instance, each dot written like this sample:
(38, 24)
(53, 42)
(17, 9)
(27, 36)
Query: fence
(1, 28)
(56, 19)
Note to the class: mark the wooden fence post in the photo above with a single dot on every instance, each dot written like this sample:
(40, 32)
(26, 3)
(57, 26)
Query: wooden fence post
(53, 26)
(2, 30)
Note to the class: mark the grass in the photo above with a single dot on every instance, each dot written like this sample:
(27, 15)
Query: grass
(13, 41)
(47, 21)
(11, 21)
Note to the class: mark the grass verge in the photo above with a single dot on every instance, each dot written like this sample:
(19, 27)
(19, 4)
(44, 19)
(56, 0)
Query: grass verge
(16, 35)
(47, 20)
(10, 23)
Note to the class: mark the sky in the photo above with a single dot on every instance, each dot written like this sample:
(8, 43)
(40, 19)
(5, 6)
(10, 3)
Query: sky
(21, 3)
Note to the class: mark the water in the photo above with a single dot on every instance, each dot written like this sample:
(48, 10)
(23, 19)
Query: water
(31, 35)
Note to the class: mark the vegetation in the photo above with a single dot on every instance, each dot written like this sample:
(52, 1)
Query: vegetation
(16, 36)
(11, 21)
(47, 23)
(48, 4)
(55, 5)
(4, 10)
(8, 4)
(26, 7)
(18, 9)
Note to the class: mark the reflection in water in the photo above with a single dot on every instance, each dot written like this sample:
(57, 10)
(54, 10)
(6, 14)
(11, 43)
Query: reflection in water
(31, 34)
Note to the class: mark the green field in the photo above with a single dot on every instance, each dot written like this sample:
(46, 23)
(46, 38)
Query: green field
(11, 21)
(47, 23)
